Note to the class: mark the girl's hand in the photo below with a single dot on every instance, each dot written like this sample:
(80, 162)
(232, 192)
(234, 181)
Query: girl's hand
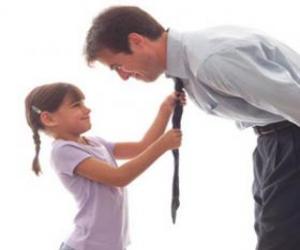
(171, 139)
(169, 103)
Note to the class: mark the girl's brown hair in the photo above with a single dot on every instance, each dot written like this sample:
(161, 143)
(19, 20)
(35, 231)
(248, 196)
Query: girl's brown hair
(47, 97)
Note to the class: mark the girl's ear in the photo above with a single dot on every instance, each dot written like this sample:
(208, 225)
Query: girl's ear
(48, 119)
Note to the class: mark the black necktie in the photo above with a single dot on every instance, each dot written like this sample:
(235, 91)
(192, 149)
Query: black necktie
(176, 120)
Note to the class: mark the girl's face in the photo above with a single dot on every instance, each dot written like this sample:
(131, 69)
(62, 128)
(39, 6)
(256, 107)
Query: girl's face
(71, 119)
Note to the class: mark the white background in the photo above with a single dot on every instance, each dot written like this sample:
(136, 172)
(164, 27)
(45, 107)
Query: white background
(42, 42)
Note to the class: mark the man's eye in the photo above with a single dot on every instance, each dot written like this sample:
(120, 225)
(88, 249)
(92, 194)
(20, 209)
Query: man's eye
(77, 104)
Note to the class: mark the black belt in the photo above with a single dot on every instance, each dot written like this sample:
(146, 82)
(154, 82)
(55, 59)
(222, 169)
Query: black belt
(272, 128)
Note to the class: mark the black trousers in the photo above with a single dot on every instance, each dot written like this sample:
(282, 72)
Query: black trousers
(276, 190)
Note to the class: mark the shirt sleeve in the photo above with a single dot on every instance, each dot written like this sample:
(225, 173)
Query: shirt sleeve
(265, 83)
(108, 145)
(67, 157)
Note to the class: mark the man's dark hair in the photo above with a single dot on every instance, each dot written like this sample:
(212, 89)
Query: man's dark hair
(110, 30)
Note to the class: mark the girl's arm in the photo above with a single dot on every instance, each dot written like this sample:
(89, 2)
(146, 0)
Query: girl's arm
(100, 171)
(127, 150)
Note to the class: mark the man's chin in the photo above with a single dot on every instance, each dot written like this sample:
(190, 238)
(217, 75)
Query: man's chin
(149, 79)
(143, 79)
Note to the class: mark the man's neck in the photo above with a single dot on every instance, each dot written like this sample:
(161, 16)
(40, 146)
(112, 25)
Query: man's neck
(163, 52)
(160, 48)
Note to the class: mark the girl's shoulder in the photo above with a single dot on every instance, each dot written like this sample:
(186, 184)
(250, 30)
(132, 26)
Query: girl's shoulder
(58, 143)
(100, 142)
(92, 141)
(96, 140)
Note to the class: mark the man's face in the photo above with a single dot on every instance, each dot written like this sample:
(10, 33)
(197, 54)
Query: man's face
(142, 64)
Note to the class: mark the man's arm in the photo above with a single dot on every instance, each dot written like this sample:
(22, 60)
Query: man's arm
(260, 81)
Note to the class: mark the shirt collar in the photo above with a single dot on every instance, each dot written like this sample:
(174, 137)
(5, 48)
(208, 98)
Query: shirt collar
(175, 56)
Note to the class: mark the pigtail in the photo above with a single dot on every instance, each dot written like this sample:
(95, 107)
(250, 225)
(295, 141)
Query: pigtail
(37, 141)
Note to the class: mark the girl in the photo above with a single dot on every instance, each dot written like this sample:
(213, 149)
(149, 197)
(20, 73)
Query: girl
(87, 166)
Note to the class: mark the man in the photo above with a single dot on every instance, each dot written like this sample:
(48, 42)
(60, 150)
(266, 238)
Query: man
(229, 72)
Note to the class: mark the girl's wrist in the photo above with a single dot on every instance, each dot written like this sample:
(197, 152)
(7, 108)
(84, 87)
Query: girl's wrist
(161, 144)
(165, 110)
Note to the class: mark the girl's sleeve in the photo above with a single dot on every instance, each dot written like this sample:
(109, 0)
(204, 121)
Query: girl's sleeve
(109, 145)
(67, 157)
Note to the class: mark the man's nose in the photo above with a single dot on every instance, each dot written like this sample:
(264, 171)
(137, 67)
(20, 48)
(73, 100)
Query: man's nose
(86, 109)
(123, 73)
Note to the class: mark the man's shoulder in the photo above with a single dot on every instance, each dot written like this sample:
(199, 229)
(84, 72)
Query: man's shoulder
(214, 40)
(223, 31)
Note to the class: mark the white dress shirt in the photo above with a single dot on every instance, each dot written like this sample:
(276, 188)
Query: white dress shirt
(238, 74)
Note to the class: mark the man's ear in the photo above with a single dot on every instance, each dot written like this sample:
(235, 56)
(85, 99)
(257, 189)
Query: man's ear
(48, 119)
(136, 41)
